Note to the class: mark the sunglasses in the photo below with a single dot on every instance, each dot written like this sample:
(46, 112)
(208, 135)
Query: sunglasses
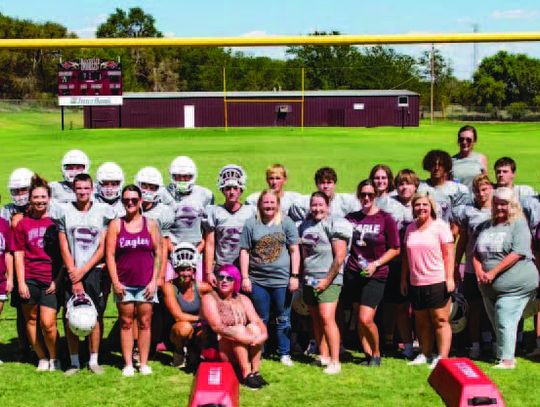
(225, 277)
(230, 188)
(126, 201)
(369, 195)
(465, 140)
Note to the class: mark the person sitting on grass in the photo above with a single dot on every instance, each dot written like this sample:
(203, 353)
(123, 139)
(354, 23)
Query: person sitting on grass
(241, 332)
(182, 296)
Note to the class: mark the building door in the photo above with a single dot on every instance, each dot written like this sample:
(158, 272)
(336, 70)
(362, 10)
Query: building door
(189, 116)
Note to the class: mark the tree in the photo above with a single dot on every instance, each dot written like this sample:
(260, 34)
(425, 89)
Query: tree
(445, 86)
(135, 24)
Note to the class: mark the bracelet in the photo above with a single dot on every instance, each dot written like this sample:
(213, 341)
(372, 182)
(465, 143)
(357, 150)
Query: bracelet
(295, 275)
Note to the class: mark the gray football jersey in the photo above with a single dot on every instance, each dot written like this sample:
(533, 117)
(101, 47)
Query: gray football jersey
(447, 196)
(163, 215)
(316, 239)
(83, 229)
(227, 228)
(117, 205)
(523, 190)
(340, 205)
(11, 209)
(288, 199)
(61, 192)
(188, 212)
(468, 217)
(531, 210)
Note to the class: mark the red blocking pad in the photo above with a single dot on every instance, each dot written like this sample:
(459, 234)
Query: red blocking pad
(461, 383)
(215, 384)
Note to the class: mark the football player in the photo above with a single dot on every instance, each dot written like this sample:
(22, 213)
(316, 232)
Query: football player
(74, 162)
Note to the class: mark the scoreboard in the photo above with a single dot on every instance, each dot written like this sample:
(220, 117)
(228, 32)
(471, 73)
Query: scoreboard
(90, 82)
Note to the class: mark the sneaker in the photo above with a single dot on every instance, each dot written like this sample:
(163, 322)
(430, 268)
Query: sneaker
(365, 361)
(333, 368)
(505, 365)
(535, 353)
(261, 380)
(96, 369)
(474, 353)
(54, 365)
(251, 382)
(420, 359)
(145, 370)
(179, 359)
(311, 349)
(128, 371)
(286, 360)
(434, 362)
(43, 365)
(72, 370)
(375, 361)
(1, 362)
(322, 361)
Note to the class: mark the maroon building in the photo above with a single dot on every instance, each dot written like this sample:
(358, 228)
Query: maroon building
(339, 108)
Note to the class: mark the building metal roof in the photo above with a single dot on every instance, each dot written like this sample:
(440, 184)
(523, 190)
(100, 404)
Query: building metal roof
(270, 94)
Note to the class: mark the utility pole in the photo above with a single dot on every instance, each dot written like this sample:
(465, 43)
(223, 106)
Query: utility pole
(476, 29)
(432, 66)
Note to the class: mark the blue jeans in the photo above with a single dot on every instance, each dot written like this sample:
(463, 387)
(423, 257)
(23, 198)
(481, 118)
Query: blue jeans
(279, 300)
(504, 312)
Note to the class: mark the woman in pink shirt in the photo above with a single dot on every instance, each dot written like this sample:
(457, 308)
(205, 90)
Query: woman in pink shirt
(427, 277)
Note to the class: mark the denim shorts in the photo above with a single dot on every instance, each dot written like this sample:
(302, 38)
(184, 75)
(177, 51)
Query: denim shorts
(134, 294)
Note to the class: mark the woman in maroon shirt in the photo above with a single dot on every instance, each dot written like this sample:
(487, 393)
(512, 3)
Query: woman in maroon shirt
(36, 263)
(375, 242)
(133, 260)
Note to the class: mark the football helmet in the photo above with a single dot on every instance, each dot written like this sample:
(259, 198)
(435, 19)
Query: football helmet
(109, 171)
(74, 157)
(149, 175)
(232, 176)
(81, 314)
(185, 255)
(183, 165)
(20, 178)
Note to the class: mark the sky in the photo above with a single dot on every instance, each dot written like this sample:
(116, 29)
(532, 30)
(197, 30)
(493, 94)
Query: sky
(180, 18)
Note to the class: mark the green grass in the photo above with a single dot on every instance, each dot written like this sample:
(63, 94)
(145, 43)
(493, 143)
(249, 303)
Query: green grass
(35, 140)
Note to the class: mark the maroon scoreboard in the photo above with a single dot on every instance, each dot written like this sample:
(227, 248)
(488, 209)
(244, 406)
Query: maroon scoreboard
(90, 82)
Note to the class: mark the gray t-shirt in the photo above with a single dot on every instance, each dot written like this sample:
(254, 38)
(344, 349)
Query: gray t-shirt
(340, 205)
(227, 227)
(494, 243)
(446, 196)
(83, 229)
(286, 201)
(163, 215)
(464, 169)
(269, 259)
(531, 210)
(316, 239)
(61, 192)
(188, 210)
(468, 217)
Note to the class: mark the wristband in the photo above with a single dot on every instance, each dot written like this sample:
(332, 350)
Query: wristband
(295, 275)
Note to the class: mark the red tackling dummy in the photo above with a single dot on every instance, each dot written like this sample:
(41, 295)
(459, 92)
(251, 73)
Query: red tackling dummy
(461, 383)
(215, 384)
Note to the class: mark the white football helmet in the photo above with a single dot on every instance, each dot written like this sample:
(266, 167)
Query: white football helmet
(109, 171)
(20, 178)
(232, 176)
(81, 314)
(74, 157)
(183, 165)
(149, 175)
(185, 255)
(458, 313)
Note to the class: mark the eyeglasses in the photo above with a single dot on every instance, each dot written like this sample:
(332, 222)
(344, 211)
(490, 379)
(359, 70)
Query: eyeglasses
(225, 277)
(126, 201)
(465, 140)
(369, 195)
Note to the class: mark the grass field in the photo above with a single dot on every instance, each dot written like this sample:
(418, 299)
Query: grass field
(35, 141)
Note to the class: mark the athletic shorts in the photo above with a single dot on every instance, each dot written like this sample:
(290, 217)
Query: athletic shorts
(471, 292)
(3, 291)
(92, 286)
(38, 295)
(392, 291)
(428, 296)
(313, 298)
(362, 290)
(134, 294)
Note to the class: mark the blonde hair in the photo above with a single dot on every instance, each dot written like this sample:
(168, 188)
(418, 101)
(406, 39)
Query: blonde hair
(480, 180)
(277, 217)
(514, 208)
(417, 196)
(276, 169)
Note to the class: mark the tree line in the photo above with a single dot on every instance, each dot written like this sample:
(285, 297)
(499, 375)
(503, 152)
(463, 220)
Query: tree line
(501, 80)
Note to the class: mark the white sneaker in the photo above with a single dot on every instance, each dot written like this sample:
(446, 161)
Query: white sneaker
(128, 371)
(333, 368)
(43, 365)
(1, 362)
(420, 359)
(474, 353)
(286, 360)
(54, 365)
(145, 370)
(506, 366)
(434, 362)
(323, 361)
